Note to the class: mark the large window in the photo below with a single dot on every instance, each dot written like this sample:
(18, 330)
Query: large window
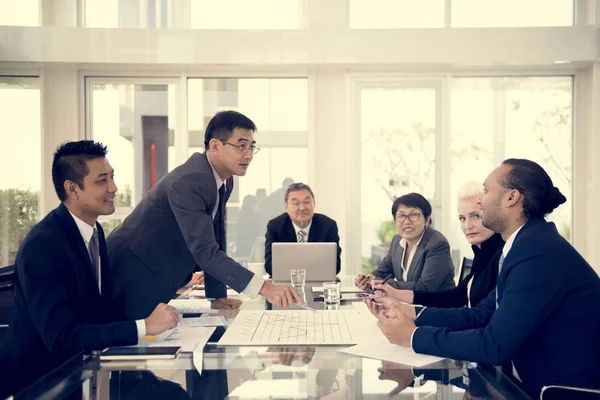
(520, 117)
(195, 14)
(398, 14)
(136, 122)
(279, 108)
(246, 14)
(21, 13)
(486, 120)
(20, 162)
(398, 157)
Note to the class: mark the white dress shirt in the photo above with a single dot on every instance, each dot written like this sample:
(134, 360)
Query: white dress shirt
(306, 230)
(404, 243)
(253, 287)
(86, 232)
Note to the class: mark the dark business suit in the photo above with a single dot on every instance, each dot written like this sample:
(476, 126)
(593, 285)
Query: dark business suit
(168, 235)
(430, 270)
(547, 322)
(281, 229)
(58, 310)
(484, 273)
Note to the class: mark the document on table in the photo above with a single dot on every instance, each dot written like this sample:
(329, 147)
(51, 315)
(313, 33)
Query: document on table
(291, 327)
(189, 339)
(386, 351)
(203, 321)
(191, 305)
(344, 289)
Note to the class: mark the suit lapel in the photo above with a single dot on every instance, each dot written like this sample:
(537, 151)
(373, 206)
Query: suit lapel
(289, 231)
(76, 241)
(314, 228)
(397, 258)
(105, 276)
(412, 270)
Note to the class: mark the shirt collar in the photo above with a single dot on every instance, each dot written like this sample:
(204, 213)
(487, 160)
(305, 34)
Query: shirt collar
(403, 242)
(85, 230)
(510, 241)
(297, 228)
(218, 179)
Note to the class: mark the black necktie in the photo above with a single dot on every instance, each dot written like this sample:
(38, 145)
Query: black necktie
(219, 221)
(94, 250)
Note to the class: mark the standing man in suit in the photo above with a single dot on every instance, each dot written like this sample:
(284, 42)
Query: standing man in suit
(300, 224)
(542, 322)
(62, 303)
(179, 226)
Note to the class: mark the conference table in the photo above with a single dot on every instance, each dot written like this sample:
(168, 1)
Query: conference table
(273, 372)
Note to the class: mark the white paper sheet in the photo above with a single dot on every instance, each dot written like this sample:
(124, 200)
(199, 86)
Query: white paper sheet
(322, 327)
(203, 321)
(189, 339)
(384, 350)
(191, 305)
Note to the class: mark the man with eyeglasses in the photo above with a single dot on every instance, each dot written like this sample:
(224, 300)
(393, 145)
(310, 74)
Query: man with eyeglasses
(179, 227)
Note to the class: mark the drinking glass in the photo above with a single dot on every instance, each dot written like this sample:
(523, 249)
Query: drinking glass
(331, 292)
(298, 277)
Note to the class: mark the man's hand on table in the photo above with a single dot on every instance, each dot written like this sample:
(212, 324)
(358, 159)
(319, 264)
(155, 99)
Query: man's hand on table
(280, 295)
(225, 303)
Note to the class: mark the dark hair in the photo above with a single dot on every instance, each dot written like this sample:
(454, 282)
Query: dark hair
(221, 126)
(540, 196)
(298, 186)
(70, 163)
(412, 200)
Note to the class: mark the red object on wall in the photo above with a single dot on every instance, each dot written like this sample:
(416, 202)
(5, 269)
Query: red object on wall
(152, 164)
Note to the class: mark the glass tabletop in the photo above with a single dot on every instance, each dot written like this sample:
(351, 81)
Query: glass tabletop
(276, 372)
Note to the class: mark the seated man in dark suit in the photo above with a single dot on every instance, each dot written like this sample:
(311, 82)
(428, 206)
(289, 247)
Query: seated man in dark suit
(300, 223)
(542, 322)
(63, 288)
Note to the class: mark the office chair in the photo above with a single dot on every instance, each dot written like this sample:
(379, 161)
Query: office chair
(553, 392)
(465, 268)
(7, 293)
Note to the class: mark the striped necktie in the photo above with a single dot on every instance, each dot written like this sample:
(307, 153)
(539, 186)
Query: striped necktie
(499, 270)
(94, 250)
(301, 236)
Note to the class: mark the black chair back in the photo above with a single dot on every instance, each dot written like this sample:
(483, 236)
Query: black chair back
(7, 294)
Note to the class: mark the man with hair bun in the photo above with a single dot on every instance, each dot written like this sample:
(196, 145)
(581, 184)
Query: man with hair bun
(542, 323)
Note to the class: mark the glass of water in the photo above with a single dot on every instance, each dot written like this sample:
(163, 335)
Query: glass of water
(331, 292)
(298, 277)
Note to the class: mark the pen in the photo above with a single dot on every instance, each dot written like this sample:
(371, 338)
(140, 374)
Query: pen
(387, 278)
(305, 307)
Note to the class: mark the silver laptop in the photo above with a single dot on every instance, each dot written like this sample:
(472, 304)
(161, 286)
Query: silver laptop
(318, 259)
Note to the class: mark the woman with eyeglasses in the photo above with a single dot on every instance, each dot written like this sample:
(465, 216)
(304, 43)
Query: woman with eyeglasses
(487, 247)
(419, 256)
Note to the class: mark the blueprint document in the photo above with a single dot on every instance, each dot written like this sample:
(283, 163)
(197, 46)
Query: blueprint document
(290, 327)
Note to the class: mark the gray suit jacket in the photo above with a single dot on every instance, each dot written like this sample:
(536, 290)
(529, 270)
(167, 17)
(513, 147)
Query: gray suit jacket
(430, 270)
(155, 250)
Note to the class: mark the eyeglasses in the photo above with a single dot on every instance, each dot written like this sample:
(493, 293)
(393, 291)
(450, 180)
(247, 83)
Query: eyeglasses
(245, 147)
(412, 216)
